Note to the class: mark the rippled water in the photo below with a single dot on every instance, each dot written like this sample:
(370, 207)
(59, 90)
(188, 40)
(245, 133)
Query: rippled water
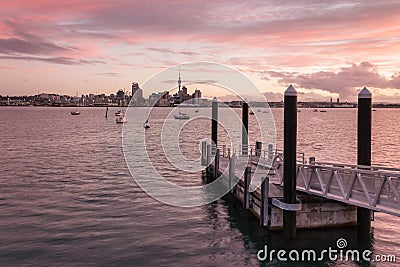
(67, 197)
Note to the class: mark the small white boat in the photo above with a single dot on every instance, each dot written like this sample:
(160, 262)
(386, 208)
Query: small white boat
(75, 112)
(146, 124)
(119, 113)
(121, 119)
(251, 113)
(182, 116)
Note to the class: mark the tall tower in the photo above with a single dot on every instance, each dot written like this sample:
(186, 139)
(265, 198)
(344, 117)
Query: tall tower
(179, 79)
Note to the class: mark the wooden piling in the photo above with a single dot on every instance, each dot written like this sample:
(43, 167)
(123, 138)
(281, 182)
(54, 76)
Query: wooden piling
(214, 124)
(231, 173)
(216, 164)
(246, 191)
(203, 153)
(258, 148)
(289, 170)
(264, 202)
(364, 153)
(245, 128)
(270, 152)
(208, 158)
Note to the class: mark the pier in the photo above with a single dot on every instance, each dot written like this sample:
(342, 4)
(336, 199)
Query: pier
(298, 192)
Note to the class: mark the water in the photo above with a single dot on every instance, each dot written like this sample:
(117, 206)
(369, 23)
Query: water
(67, 197)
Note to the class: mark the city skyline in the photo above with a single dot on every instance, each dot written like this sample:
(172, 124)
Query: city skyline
(324, 49)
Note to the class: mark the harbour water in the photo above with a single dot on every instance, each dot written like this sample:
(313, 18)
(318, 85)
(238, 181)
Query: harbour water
(67, 197)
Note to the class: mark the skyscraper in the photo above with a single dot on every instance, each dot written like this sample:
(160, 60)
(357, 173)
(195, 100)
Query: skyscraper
(135, 87)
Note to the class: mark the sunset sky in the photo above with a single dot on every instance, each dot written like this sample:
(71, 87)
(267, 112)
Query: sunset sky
(324, 48)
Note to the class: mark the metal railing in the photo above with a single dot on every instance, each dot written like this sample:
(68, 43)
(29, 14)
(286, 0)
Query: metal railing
(373, 187)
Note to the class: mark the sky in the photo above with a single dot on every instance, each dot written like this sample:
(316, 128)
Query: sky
(326, 49)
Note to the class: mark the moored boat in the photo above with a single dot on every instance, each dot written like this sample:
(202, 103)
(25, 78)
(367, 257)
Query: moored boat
(146, 124)
(182, 116)
(121, 119)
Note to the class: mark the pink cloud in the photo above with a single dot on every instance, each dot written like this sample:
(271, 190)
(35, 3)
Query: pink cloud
(252, 35)
(345, 82)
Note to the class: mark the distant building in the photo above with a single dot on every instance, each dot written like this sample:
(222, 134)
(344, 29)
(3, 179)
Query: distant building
(196, 96)
(137, 95)
(120, 95)
(162, 99)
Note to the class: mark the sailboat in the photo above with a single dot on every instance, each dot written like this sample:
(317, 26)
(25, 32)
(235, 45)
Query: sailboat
(76, 111)
(146, 124)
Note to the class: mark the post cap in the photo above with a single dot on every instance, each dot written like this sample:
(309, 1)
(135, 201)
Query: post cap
(364, 93)
(214, 99)
(290, 91)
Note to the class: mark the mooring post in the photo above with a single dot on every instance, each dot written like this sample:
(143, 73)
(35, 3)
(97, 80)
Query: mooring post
(258, 148)
(270, 151)
(216, 164)
(231, 172)
(214, 124)
(289, 156)
(246, 189)
(208, 159)
(203, 153)
(364, 153)
(245, 128)
(264, 202)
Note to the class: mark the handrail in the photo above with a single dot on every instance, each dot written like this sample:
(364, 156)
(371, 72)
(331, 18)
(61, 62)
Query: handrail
(372, 167)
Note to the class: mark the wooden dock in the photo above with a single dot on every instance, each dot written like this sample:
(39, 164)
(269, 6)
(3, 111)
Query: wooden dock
(265, 203)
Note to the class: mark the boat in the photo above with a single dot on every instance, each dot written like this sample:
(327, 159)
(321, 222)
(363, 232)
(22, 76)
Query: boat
(146, 124)
(182, 116)
(251, 113)
(119, 113)
(315, 110)
(374, 110)
(196, 111)
(121, 119)
(323, 110)
(75, 112)
(298, 110)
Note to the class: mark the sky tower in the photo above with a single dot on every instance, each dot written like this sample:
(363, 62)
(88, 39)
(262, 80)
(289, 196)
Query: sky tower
(179, 79)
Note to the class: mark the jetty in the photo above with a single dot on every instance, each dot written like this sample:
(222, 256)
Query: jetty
(299, 193)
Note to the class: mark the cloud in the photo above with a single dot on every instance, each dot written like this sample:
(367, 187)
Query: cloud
(112, 74)
(56, 60)
(344, 82)
(32, 46)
